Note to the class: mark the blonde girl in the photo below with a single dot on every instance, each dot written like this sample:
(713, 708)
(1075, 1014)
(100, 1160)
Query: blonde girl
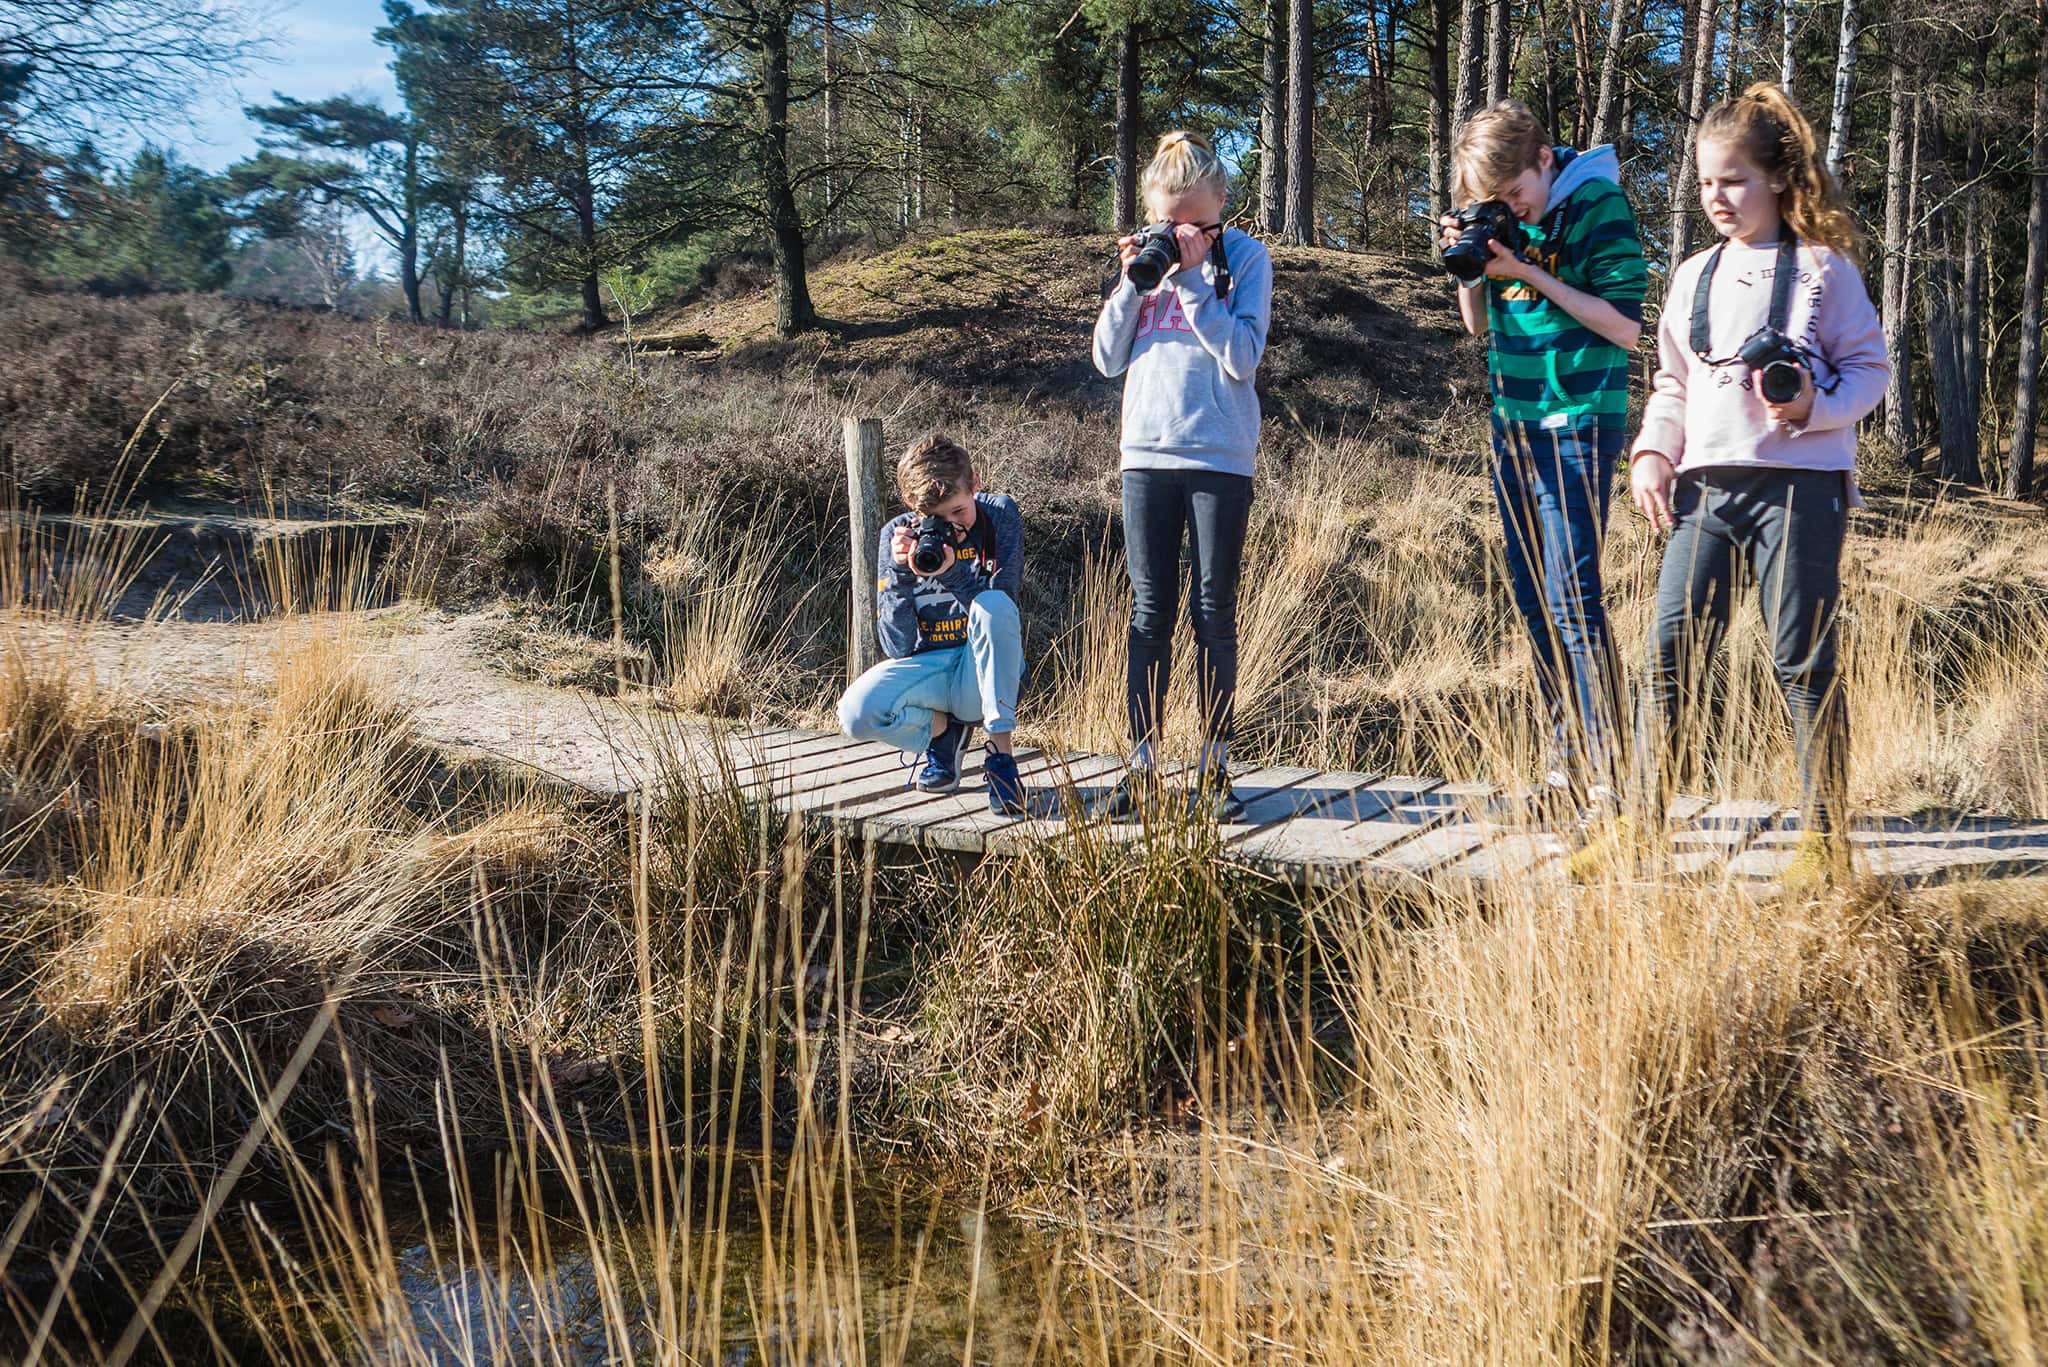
(1188, 351)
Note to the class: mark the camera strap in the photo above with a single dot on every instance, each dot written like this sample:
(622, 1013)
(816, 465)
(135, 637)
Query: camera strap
(1217, 260)
(1781, 296)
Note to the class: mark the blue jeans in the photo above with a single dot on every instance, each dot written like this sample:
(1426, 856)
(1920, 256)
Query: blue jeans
(1552, 486)
(896, 701)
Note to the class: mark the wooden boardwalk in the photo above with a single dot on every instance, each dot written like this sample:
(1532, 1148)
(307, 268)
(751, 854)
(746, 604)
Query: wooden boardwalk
(1317, 826)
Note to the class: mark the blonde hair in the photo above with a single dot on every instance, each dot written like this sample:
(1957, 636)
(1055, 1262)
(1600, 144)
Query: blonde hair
(933, 470)
(1771, 131)
(1180, 162)
(1493, 147)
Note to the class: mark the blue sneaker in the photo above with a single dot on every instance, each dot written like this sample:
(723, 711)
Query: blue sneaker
(1005, 786)
(941, 772)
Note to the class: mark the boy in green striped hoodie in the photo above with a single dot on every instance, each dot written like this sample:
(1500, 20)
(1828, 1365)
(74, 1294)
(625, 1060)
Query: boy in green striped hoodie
(1561, 319)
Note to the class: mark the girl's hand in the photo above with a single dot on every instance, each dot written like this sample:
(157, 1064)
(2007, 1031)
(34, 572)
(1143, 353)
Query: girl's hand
(1127, 251)
(1650, 478)
(1194, 245)
(1788, 414)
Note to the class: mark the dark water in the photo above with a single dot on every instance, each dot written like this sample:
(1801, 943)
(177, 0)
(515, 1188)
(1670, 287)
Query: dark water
(923, 1277)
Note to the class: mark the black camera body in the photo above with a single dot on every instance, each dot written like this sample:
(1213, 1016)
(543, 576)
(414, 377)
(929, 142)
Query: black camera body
(934, 537)
(1158, 251)
(1778, 361)
(1489, 220)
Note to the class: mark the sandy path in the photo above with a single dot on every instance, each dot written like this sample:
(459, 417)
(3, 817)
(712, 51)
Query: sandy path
(435, 664)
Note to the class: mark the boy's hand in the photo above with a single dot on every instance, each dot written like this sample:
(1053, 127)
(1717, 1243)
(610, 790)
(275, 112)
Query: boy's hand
(1650, 478)
(1446, 232)
(1788, 414)
(1505, 265)
(904, 541)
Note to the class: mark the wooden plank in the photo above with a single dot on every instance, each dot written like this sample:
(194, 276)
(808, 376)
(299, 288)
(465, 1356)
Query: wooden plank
(1048, 807)
(1446, 823)
(1321, 795)
(910, 824)
(1719, 833)
(1395, 815)
(783, 789)
(1507, 857)
(769, 779)
(891, 816)
(842, 792)
(1911, 852)
(1976, 848)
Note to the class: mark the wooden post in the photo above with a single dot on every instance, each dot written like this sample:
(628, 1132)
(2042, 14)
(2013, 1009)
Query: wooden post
(867, 509)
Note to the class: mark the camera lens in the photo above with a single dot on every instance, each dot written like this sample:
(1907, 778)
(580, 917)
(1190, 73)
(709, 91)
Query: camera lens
(1466, 258)
(1156, 253)
(929, 554)
(1780, 382)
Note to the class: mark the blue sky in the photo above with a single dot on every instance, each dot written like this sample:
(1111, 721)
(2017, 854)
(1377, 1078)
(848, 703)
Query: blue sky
(323, 47)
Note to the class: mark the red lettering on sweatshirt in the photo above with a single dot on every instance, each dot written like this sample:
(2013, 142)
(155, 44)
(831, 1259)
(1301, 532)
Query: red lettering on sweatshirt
(1161, 312)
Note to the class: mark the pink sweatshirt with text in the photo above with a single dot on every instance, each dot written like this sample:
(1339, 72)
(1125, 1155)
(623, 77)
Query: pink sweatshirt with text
(1700, 415)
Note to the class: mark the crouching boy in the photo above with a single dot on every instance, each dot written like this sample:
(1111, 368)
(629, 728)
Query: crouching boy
(949, 625)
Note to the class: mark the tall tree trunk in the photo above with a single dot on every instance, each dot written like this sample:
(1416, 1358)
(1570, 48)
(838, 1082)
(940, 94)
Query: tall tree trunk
(1499, 47)
(409, 234)
(1788, 23)
(1974, 251)
(1273, 121)
(793, 310)
(1471, 59)
(1729, 88)
(1582, 17)
(1299, 228)
(1940, 305)
(832, 109)
(1124, 209)
(2019, 469)
(1607, 123)
(1550, 109)
(1702, 70)
(1845, 89)
(1897, 302)
(1440, 113)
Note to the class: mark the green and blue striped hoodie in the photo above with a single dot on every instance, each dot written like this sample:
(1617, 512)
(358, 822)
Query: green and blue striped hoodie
(1543, 363)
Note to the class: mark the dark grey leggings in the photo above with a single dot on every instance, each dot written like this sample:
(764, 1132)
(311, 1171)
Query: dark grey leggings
(1784, 529)
(1213, 509)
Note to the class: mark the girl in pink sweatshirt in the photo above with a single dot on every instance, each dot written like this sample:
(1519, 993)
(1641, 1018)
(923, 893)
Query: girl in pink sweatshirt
(1768, 352)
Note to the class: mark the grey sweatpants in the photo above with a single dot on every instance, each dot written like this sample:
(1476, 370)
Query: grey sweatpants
(1783, 529)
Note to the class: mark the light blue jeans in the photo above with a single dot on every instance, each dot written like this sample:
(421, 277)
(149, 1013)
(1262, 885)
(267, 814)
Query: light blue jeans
(895, 701)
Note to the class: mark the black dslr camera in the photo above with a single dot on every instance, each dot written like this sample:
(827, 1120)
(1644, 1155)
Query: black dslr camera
(1488, 221)
(1158, 252)
(1778, 359)
(934, 536)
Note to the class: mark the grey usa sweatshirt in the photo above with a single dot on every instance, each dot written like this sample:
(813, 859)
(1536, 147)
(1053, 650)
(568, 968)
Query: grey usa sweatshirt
(914, 613)
(1188, 360)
